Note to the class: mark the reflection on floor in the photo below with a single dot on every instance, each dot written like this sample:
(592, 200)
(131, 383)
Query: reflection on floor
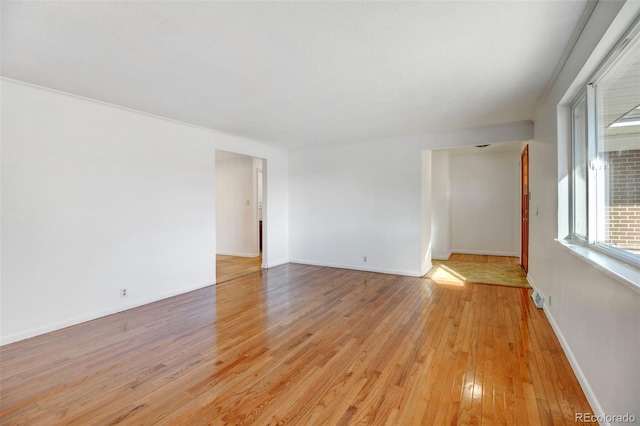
(302, 345)
(230, 267)
(479, 269)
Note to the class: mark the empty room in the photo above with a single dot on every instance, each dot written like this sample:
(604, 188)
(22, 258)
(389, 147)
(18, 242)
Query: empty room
(320, 212)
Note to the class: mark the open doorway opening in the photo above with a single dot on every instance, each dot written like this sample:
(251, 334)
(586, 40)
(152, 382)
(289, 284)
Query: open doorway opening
(476, 201)
(239, 215)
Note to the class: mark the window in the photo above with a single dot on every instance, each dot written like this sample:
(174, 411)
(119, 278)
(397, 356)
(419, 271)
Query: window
(579, 113)
(605, 189)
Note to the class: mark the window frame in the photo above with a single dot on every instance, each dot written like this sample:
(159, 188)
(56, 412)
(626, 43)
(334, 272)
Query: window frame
(574, 236)
(588, 95)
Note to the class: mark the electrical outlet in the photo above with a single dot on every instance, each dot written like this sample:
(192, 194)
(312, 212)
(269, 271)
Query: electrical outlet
(123, 292)
(364, 259)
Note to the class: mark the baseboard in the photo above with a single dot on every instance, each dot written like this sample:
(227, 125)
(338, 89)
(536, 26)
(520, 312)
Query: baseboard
(229, 253)
(426, 269)
(358, 268)
(274, 264)
(486, 253)
(12, 338)
(532, 284)
(575, 366)
(584, 383)
(441, 257)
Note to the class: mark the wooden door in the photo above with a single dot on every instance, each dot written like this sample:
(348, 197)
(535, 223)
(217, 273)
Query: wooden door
(524, 157)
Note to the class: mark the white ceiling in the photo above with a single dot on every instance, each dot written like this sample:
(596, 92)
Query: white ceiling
(297, 73)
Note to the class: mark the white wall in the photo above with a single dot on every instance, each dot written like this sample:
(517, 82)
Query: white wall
(595, 316)
(365, 198)
(485, 204)
(236, 205)
(427, 251)
(96, 198)
(441, 205)
(351, 201)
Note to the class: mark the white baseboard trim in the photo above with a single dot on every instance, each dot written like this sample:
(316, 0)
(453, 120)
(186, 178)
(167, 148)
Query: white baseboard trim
(532, 284)
(575, 366)
(442, 257)
(487, 253)
(358, 268)
(5, 340)
(274, 264)
(584, 383)
(426, 269)
(229, 253)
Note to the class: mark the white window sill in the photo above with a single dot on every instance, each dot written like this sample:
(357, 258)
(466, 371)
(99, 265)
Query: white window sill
(618, 270)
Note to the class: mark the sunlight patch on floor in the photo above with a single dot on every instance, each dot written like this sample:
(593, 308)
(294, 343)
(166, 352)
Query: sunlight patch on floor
(442, 274)
(456, 272)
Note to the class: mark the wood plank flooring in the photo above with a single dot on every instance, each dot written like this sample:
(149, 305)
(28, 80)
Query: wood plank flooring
(479, 269)
(481, 258)
(301, 345)
(230, 267)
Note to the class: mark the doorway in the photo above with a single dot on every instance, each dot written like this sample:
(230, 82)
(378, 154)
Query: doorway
(525, 196)
(239, 215)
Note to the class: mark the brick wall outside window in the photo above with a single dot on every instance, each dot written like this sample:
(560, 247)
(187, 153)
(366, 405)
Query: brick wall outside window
(623, 195)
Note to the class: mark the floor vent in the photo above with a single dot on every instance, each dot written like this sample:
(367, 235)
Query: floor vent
(537, 299)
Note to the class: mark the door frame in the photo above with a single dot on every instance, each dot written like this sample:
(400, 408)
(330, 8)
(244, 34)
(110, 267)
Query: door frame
(525, 196)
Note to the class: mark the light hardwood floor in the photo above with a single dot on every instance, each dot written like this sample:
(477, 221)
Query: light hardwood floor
(481, 258)
(230, 267)
(301, 345)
